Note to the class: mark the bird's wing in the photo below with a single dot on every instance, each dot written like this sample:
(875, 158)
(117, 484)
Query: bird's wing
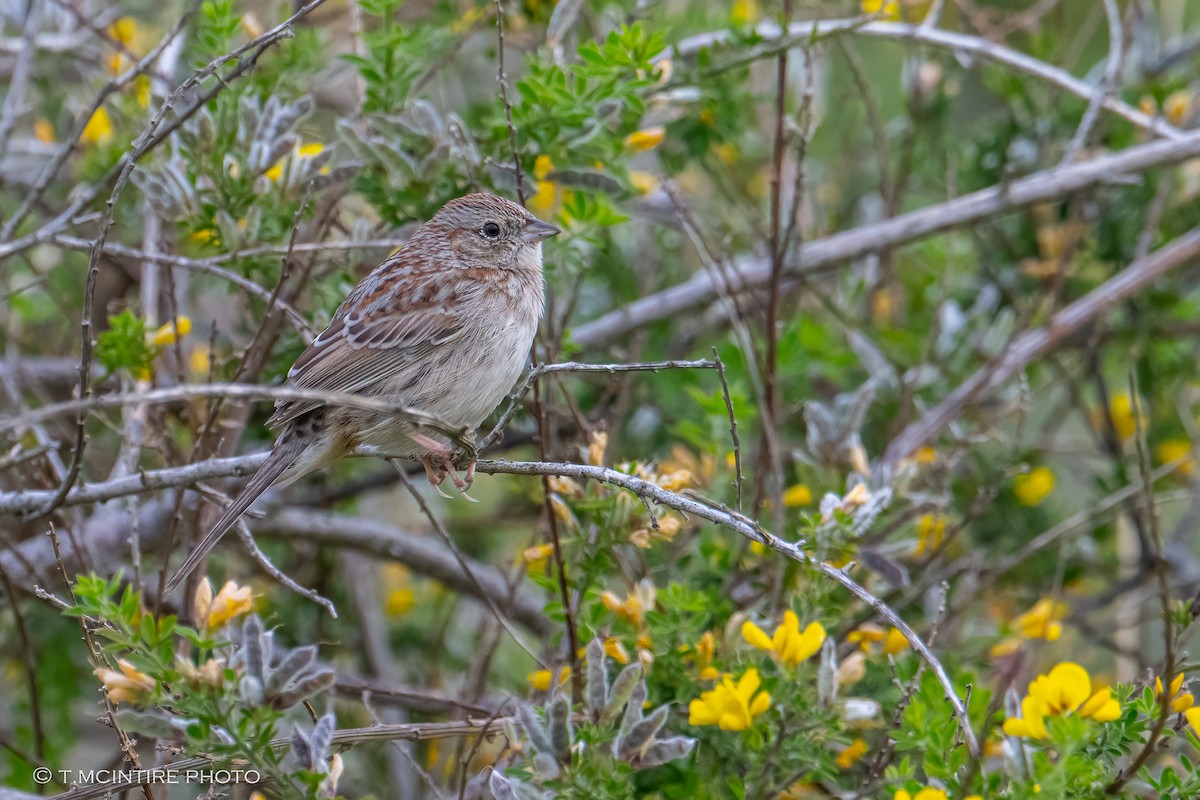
(392, 321)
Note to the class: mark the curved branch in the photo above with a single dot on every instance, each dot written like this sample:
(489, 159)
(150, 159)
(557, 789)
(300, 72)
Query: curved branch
(822, 254)
(802, 33)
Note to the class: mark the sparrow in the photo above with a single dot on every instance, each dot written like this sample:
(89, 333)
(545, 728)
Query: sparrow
(444, 326)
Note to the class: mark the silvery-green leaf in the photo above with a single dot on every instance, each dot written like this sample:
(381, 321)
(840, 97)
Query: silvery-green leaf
(621, 691)
(664, 750)
(476, 786)
(290, 667)
(251, 690)
(533, 729)
(314, 683)
(559, 715)
(597, 679)
(301, 749)
(633, 710)
(158, 724)
(827, 673)
(546, 766)
(319, 740)
(639, 737)
(859, 710)
(500, 787)
(252, 655)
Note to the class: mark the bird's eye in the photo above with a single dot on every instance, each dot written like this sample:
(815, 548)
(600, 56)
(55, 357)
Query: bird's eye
(491, 230)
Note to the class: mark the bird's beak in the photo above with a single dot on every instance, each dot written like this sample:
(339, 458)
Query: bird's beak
(537, 231)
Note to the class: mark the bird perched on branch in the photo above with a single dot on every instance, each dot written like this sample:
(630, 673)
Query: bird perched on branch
(443, 327)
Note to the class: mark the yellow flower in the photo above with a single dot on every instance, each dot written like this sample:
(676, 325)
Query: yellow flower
(1126, 415)
(300, 152)
(730, 706)
(896, 642)
(545, 198)
(211, 673)
(1181, 698)
(1192, 715)
(1174, 450)
(848, 757)
(744, 12)
(1042, 621)
(674, 481)
(925, 455)
(535, 557)
(1178, 107)
(789, 644)
(540, 680)
(615, 650)
(399, 602)
(931, 531)
(865, 635)
(1067, 689)
(128, 684)
(926, 793)
(169, 333)
(642, 182)
(597, 444)
(99, 129)
(251, 26)
(633, 607)
(213, 612)
(43, 131)
(1005, 648)
(668, 526)
(886, 9)
(645, 139)
(706, 648)
(141, 88)
(123, 30)
(797, 496)
(1033, 488)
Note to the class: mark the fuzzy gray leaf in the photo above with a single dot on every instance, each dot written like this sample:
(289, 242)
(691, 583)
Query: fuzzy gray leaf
(290, 666)
(500, 787)
(252, 654)
(560, 728)
(597, 677)
(621, 691)
(151, 723)
(665, 750)
(301, 749)
(314, 683)
(533, 729)
(633, 710)
(321, 737)
(633, 743)
(546, 766)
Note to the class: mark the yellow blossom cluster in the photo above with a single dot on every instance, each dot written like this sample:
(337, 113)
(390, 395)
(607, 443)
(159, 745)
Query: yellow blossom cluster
(1180, 698)
(1034, 486)
(541, 679)
(1175, 450)
(213, 612)
(130, 684)
(866, 636)
(1066, 689)
(731, 706)
(789, 645)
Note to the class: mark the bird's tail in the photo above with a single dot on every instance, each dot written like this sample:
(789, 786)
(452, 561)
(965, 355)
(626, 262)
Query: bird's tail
(282, 456)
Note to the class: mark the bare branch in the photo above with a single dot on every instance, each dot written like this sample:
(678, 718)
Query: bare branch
(818, 255)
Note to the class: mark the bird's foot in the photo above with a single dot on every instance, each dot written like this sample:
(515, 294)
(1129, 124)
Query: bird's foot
(439, 464)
